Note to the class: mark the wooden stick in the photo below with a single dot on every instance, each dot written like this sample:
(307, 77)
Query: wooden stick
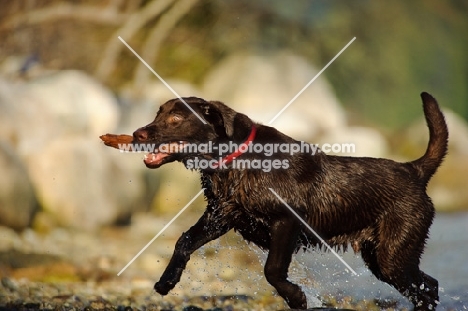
(114, 141)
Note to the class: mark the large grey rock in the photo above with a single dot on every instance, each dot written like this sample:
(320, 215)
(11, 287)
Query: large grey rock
(21, 121)
(17, 200)
(82, 185)
(140, 109)
(54, 123)
(59, 104)
(418, 134)
(355, 141)
(77, 101)
(261, 85)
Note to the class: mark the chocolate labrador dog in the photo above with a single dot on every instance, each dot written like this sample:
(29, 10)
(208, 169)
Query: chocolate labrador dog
(378, 206)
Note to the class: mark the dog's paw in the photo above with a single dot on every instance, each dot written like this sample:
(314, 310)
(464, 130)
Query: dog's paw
(168, 280)
(163, 288)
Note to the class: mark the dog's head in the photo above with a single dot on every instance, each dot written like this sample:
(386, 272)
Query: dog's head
(176, 126)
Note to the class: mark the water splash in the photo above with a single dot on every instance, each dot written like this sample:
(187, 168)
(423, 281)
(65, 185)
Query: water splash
(319, 273)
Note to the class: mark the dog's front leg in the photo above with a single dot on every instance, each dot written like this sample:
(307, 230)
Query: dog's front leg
(284, 235)
(209, 227)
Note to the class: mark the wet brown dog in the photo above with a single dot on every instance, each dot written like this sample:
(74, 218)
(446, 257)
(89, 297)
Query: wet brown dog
(379, 206)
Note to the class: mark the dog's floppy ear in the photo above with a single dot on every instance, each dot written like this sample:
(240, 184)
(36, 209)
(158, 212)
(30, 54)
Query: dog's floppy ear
(234, 125)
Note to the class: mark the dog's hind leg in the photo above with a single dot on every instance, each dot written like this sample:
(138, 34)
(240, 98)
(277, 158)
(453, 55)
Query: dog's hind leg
(420, 288)
(397, 257)
(369, 255)
(284, 235)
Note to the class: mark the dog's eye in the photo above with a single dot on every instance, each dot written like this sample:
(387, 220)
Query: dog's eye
(174, 118)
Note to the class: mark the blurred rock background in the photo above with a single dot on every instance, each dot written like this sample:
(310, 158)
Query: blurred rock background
(65, 79)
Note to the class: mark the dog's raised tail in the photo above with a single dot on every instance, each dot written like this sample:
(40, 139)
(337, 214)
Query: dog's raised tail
(438, 139)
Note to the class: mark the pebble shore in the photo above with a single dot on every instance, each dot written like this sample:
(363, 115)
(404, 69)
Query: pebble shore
(63, 269)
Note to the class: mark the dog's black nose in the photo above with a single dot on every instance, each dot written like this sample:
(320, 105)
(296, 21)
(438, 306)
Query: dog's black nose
(140, 135)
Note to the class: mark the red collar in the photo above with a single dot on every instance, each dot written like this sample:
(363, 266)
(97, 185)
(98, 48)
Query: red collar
(240, 150)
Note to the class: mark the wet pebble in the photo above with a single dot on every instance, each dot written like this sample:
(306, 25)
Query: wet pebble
(217, 277)
(9, 284)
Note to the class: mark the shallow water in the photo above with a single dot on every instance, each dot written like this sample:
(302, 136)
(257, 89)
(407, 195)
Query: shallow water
(445, 258)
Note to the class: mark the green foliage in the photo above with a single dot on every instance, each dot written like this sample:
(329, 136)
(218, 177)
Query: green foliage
(402, 48)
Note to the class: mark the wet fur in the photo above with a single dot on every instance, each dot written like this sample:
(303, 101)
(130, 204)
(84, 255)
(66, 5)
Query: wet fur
(378, 206)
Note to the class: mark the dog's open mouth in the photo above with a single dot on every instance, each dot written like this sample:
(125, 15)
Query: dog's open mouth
(164, 153)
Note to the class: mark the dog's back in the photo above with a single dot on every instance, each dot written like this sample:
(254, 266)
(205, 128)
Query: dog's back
(372, 189)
